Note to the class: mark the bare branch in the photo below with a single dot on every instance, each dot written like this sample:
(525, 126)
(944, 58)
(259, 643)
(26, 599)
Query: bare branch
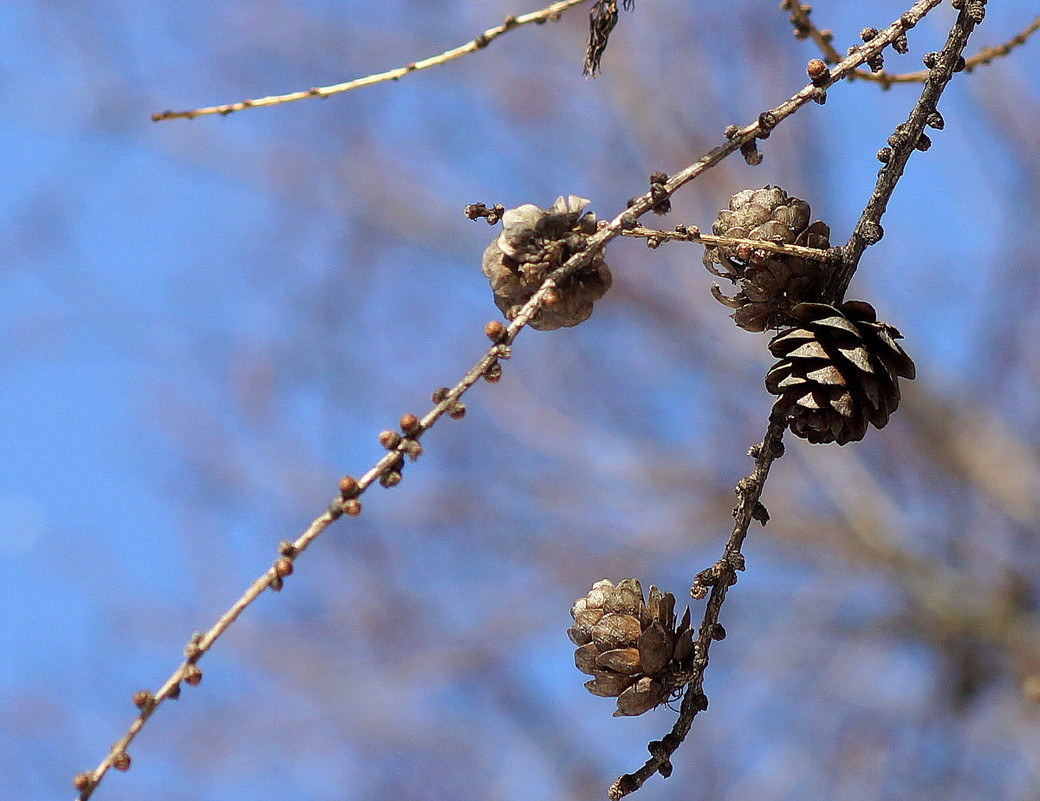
(551, 12)
(718, 578)
(690, 233)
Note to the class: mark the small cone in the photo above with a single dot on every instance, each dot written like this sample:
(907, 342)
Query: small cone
(839, 371)
(770, 284)
(631, 648)
(534, 242)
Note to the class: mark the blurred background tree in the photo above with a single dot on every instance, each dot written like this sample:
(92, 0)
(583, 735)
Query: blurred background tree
(205, 324)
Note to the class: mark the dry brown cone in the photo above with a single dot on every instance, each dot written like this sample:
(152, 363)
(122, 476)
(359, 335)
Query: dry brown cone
(839, 370)
(633, 650)
(770, 284)
(532, 244)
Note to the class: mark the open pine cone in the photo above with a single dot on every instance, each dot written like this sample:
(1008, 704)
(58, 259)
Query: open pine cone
(771, 284)
(532, 244)
(839, 370)
(632, 649)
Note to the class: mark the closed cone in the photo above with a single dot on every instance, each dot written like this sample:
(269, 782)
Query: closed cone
(839, 371)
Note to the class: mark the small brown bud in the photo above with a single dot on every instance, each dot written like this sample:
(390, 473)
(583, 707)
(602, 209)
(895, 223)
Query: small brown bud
(286, 548)
(192, 651)
(121, 761)
(174, 693)
(83, 781)
(412, 449)
(283, 567)
(144, 700)
(494, 331)
(348, 487)
(493, 373)
(352, 508)
(192, 675)
(410, 424)
(457, 411)
(389, 439)
(818, 72)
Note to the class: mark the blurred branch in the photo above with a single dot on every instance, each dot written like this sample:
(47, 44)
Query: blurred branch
(804, 28)
(949, 606)
(551, 12)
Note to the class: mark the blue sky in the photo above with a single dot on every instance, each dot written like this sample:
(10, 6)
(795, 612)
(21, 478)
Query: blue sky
(205, 324)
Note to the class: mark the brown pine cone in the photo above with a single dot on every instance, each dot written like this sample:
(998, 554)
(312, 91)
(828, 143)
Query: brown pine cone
(633, 650)
(532, 244)
(839, 370)
(771, 284)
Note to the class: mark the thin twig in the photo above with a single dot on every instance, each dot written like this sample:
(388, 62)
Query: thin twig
(272, 578)
(689, 233)
(719, 578)
(551, 12)
(908, 137)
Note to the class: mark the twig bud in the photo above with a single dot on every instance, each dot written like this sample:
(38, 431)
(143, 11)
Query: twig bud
(144, 700)
(495, 331)
(818, 72)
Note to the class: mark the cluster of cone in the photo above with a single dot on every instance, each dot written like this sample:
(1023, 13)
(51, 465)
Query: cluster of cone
(839, 367)
(632, 648)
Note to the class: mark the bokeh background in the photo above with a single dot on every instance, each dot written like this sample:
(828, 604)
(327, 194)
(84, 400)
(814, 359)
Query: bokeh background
(204, 324)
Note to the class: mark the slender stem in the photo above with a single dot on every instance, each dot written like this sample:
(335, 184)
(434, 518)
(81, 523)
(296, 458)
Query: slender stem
(719, 577)
(551, 12)
(690, 234)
